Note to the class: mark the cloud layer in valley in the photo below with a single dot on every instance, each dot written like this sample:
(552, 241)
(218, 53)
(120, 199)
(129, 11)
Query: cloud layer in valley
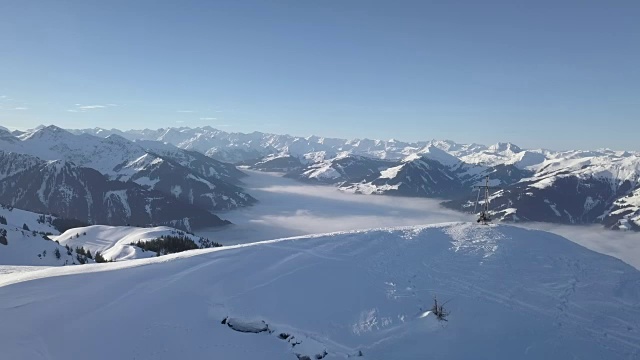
(291, 208)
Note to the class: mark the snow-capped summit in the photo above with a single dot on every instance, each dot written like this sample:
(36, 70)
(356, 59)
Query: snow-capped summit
(434, 153)
(504, 147)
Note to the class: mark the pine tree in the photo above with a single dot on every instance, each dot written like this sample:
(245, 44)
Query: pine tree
(89, 254)
(3, 237)
(57, 253)
(25, 227)
(3, 220)
(99, 258)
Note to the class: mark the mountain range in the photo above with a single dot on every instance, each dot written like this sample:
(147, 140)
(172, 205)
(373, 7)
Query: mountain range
(115, 181)
(572, 187)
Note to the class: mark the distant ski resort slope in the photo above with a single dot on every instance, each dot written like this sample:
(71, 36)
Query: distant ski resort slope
(512, 294)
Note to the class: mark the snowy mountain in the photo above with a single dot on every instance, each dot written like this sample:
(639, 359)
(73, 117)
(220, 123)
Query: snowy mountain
(571, 187)
(340, 169)
(74, 192)
(115, 242)
(576, 191)
(511, 293)
(199, 163)
(275, 163)
(172, 179)
(417, 177)
(625, 212)
(238, 147)
(188, 176)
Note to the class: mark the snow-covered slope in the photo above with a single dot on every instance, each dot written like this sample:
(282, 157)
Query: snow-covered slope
(512, 294)
(26, 239)
(29, 248)
(114, 242)
(625, 212)
(22, 219)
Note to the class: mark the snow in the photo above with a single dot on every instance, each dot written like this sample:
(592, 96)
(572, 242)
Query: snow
(434, 153)
(612, 167)
(553, 207)
(119, 198)
(113, 241)
(391, 173)
(54, 143)
(176, 190)
(26, 249)
(368, 188)
(323, 172)
(541, 184)
(514, 294)
(17, 218)
(147, 182)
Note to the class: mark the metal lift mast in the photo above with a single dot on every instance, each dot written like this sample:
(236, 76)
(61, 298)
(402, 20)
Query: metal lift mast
(484, 217)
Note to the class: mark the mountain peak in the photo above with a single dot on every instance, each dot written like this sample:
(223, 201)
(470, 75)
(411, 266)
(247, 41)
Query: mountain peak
(50, 131)
(504, 146)
(435, 153)
(115, 138)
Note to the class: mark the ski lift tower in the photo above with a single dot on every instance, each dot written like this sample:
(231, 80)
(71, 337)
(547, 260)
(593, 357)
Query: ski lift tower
(484, 218)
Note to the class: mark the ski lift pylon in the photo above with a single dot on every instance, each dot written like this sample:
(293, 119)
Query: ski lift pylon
(484, 218)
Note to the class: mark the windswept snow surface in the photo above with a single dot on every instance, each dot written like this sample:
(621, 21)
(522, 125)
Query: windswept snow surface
(514, 294)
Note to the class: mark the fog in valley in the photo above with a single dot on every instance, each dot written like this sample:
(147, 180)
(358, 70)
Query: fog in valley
(291, 208)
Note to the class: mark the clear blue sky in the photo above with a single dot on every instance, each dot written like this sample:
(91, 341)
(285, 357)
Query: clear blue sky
(554, 74)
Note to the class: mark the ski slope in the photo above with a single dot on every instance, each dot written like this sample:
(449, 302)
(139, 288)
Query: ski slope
(514, 294)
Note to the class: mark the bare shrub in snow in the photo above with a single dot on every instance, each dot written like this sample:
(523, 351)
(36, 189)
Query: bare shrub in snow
(439, 311)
